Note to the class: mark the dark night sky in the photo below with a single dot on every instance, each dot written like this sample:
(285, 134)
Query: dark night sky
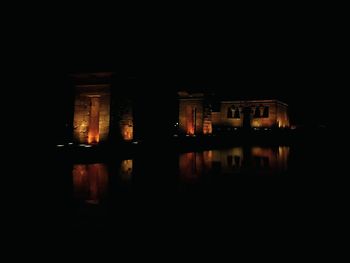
(288, 56)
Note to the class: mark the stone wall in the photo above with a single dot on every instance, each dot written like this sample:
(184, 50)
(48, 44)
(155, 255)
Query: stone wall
(94, 102)
(266, 122)
(100, 115)
(191, 114)
(124, 119)
(207, 120)
(91, 107)
(282, 115)
(84, 98)
(232, 114)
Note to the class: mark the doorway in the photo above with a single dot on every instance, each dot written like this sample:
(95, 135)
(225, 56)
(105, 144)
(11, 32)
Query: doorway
(94, 120)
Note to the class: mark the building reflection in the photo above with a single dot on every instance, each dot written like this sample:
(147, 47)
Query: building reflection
(192, 165)
(270, 159)
(126, 169)
(236, 160)
(90, 182)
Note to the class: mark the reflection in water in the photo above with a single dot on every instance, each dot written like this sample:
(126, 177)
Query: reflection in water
(270, 159)
(256, 160)
(90, 182)
(126, 170)
(192, 165)
(93, 181)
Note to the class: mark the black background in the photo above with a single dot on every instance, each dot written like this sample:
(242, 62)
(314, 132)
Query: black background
(287, 53)
(291, 53)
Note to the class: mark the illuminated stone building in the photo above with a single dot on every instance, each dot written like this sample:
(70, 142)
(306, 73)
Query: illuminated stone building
(251, 114)
(100, 115)
(103, 111)
(196, 116)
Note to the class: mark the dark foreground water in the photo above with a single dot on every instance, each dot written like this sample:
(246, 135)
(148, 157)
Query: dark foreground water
(244, 183)
(95, 183)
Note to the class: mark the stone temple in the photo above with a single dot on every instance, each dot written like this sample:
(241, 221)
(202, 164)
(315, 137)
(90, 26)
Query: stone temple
(98, 115)
(196, 116)
(104, 115)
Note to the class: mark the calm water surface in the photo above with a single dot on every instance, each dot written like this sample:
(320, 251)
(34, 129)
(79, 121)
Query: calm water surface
(95, 183)
(247, 183)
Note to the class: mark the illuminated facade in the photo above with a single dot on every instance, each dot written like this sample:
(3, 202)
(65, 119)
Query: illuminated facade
(252, 114)
(103, 112)
(96, 118)
(194, 114)
(197, 117)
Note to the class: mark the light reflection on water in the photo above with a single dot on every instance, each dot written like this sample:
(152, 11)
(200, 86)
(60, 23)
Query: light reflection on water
(125, 170)
(92, 182)
(237, 160)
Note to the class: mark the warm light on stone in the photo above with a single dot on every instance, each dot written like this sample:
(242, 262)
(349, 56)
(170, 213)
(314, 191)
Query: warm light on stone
(126, 169)
(252, 114)
(94, 121)
(125, 118)
(256, 124)
(127, 132)
(91, 107)
(194, 117)
(93, 112)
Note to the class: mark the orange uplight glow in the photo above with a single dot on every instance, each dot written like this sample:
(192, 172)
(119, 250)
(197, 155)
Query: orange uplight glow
(256, 123)
(93, 132)
(208, 129)
(191, 120)
(283, 122)
(92, 139)
(127, 132)
(190, 131)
